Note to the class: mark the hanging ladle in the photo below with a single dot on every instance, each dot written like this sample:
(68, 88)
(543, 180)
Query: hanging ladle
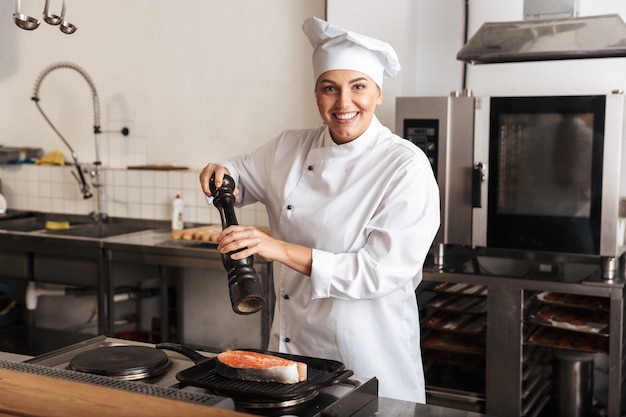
(50, 18)
(66, 27)
(24, 21)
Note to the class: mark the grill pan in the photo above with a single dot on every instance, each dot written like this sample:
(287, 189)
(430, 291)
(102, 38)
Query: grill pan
(320, 373)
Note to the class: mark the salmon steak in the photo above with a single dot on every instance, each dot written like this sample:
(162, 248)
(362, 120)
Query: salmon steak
(259, 367)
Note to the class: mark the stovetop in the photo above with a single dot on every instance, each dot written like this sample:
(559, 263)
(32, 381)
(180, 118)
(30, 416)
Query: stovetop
(60, 358)
(353, 397)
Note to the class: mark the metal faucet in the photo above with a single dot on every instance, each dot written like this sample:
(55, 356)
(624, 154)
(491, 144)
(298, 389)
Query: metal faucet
(96, 171)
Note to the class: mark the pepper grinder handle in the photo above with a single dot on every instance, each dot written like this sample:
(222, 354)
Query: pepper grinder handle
(246, 294)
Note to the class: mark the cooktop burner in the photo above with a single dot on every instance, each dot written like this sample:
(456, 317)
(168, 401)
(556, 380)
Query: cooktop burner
(124, 362)
(256, 403)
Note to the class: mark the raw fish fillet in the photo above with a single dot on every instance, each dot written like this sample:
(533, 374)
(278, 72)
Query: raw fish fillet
(252, 366)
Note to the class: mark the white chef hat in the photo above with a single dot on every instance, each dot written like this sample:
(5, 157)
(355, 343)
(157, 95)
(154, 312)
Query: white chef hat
(337, 48)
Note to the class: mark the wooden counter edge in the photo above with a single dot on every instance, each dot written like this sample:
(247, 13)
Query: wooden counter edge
(23, 394)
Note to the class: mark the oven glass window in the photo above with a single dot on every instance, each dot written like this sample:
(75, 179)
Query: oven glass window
(546, 173)
(545, 164)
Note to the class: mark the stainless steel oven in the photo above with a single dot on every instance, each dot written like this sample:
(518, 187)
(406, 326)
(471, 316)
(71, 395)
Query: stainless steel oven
(531, 174)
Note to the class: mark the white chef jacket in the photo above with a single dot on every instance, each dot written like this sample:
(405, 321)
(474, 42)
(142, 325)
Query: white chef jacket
(370, 210)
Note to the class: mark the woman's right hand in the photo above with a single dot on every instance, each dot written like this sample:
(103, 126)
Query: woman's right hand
(206, 174)
(243, 241)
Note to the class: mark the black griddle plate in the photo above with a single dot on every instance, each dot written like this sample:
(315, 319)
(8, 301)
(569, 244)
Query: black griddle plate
(320, 373)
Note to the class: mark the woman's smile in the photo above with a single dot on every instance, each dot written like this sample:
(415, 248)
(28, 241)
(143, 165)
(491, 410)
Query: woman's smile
(346, 116)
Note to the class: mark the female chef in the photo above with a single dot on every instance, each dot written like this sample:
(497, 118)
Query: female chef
(353, 210)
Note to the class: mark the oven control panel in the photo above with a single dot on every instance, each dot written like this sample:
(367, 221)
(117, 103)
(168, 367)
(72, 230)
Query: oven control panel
(425, 134)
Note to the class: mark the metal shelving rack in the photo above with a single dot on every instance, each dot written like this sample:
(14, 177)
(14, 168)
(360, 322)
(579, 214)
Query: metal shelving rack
(453, 319)
(508, 356)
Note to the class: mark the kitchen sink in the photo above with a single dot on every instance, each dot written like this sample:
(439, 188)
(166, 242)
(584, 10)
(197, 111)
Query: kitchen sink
(15, 214)
(98, 230)
(80, 226)
(27, 224)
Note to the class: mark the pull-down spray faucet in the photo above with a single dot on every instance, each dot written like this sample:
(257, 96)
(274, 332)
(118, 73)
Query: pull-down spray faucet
(95, 173)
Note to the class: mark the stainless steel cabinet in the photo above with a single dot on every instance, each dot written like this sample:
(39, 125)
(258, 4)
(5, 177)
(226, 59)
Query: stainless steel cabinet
(518, 371)
(16, 265)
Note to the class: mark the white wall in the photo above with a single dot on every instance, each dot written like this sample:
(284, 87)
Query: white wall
(195, 80)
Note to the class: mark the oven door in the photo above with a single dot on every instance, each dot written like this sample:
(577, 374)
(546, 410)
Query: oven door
(551, 174)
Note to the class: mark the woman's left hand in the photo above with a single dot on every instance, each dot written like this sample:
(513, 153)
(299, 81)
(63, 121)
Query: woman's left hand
(252, 241)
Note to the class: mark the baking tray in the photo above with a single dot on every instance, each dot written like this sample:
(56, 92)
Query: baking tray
(320, 373)
(453, 358)
(461, 288)
(574, 300)
(572, 318)
(569, 340)
(456, 322)
(453, 342)
(459, 304)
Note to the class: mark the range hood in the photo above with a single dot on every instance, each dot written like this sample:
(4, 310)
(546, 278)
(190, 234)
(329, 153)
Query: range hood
(601, 36)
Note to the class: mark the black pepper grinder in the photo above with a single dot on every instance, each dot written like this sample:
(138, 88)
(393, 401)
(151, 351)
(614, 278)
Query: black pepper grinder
(246, 295)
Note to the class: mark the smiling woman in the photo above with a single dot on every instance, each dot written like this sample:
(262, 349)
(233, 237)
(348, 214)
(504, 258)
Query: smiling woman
(345, 200)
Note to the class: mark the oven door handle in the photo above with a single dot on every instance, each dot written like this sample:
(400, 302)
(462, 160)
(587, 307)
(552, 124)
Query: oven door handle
(478, 177)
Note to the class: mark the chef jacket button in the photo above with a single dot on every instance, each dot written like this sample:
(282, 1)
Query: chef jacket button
(289, 207)
(287, 340)
(310, 167)
(286, 296)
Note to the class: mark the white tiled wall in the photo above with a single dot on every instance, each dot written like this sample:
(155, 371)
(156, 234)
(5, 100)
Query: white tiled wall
(127, 193)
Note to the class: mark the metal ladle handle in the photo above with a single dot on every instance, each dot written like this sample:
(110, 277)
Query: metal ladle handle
(50, 18)
(66, 27)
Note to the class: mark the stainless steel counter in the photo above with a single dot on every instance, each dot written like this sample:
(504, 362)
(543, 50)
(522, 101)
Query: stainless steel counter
(16, 357)
(154, 240)
(388, 407)
(157, 245)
